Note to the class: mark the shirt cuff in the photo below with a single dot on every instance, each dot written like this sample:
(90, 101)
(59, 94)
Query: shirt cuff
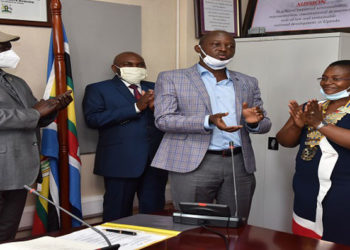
(137, 109)
(256, 129)
(206, 124)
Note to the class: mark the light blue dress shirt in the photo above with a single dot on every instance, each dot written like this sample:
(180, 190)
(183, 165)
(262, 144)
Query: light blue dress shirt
(222, 99)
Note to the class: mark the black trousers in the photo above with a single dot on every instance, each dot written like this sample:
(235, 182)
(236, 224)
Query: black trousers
(12, 203)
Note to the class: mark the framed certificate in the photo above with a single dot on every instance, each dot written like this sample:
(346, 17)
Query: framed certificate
(217, 15)
(297, 17)
(25, 12)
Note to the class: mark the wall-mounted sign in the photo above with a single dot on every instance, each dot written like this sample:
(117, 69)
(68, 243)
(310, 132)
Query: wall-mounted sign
(217, 15)
(25, 12)
(298, 16)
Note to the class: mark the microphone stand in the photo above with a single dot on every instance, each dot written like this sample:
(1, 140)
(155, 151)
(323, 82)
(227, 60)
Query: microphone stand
(234, 177)
(110, 246)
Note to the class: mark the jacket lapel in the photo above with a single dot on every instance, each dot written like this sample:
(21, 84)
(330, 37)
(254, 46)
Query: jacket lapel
(19, 98)
(144, 86)
(124, 91)
(194, 76)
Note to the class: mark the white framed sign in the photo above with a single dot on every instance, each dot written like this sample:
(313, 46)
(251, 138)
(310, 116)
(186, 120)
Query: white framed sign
(297, 16)
(217, 15)
(25, 12)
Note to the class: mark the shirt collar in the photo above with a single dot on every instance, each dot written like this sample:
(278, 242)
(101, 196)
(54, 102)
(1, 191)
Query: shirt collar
(128, 84)
(203, 70)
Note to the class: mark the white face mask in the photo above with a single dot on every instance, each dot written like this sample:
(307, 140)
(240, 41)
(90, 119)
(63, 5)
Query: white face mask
(132, 74)
(336, 96)
(212, 62)
(9, 59)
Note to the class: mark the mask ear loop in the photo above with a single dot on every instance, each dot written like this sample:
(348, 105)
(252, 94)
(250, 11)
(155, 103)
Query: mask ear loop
(200, 55)
(116, 73)
(200, 47)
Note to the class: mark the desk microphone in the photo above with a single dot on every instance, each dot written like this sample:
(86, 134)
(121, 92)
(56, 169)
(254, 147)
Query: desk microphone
(109, 247)
(234, 176)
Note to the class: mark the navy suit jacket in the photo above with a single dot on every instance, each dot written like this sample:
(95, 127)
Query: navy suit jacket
(127, 140)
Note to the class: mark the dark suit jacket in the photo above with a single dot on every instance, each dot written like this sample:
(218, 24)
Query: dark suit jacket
(127, 140)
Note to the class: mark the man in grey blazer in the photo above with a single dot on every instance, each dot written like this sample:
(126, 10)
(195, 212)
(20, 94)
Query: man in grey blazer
(21, 115)
(202, 109)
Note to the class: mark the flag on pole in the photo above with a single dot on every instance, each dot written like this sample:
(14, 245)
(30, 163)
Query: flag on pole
(46, 217)
(73, 144)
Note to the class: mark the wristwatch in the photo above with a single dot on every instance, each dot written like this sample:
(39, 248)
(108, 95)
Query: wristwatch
(322, 124)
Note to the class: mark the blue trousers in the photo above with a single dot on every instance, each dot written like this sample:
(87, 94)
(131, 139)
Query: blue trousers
(120, 192)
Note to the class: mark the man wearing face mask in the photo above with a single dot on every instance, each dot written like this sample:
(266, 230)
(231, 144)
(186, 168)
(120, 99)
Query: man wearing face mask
(21, 115)
(201, 110)
(122, 111)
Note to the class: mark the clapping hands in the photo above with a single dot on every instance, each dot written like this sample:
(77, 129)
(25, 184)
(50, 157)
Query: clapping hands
(311, 115)
(46, 107)
(217, 120)
(252, 116)
(146, 100)
(297, 114)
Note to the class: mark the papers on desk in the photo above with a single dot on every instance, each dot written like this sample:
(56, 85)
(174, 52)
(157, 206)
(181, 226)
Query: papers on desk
(144, 236)
(149, 230)
(87, 239)
(45, 243)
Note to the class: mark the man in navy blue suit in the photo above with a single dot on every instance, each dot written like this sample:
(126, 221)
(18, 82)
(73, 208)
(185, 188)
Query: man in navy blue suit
(122, 111)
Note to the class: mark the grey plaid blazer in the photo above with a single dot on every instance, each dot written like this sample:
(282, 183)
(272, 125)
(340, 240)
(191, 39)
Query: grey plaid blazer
(181, 104)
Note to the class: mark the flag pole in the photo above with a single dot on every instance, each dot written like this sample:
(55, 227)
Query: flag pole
(61, 87)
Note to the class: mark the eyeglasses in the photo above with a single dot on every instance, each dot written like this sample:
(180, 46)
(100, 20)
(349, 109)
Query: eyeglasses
(332, 79)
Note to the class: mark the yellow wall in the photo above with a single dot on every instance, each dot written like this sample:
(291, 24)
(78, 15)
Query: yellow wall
(159, 48)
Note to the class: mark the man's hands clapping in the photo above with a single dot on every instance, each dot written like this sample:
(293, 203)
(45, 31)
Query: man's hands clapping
(252, 116)
(217, 120)
(46, 107)
(146, 100)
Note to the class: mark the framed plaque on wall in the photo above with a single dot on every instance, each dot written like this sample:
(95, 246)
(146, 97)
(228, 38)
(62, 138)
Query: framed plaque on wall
(297, 17)
(29, 12)
(217, 15)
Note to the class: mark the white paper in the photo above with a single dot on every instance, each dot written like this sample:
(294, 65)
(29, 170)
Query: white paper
(127, 242)
(45, 243)
(290, 15)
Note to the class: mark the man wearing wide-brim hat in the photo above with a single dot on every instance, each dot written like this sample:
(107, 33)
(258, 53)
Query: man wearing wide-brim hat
(21, 116)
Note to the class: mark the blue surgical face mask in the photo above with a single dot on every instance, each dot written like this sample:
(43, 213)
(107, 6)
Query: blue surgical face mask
(339, 95)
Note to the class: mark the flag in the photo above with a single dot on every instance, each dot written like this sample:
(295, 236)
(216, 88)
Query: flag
(73, 144)
(46, 217)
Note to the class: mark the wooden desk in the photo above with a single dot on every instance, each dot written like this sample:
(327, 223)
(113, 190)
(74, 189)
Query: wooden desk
(245, 238)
